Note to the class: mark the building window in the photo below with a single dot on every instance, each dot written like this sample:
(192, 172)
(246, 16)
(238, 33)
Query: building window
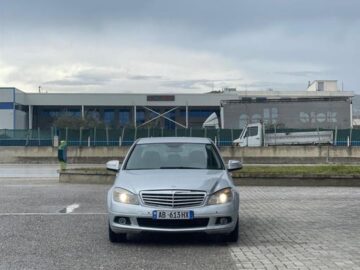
(50, 113)
(197, 113)
(93, 114)
(74, 112)
(140, 117)
(124, 117)
(109, 117)
(169, 124)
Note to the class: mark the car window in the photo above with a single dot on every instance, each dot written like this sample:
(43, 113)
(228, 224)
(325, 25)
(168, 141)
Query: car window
(251, 131)
(174, 156)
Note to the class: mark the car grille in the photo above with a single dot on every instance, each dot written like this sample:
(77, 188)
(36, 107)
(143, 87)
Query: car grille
(173, 223)
(173, 198)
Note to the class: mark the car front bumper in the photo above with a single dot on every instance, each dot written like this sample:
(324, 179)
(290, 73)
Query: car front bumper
(211, 212)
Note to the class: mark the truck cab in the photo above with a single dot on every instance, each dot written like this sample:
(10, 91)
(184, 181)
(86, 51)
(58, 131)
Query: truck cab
(251, 136)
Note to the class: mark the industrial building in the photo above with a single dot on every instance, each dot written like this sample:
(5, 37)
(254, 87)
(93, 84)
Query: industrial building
(322, 103)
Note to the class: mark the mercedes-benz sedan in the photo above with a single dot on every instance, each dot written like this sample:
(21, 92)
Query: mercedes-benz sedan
(173, 185)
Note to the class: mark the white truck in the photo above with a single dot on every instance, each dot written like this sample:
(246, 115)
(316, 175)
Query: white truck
(254, 135)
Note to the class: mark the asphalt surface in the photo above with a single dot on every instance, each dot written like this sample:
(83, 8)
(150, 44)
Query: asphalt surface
(280, 228)
(35, 235)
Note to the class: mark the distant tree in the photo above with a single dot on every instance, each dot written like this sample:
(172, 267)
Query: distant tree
(93, 122)
(69, 121)
(76, 122)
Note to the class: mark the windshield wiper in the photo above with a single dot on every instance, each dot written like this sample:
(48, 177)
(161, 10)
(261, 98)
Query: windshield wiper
(179, 167)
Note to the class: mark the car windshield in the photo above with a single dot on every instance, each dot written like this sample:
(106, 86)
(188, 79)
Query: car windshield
(174, 156)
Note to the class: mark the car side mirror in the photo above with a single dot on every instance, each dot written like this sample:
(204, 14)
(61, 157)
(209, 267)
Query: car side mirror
(113, 165)
(234, 165)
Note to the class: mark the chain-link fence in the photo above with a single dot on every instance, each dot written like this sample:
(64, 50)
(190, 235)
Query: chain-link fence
(109, 137)
(126, 136)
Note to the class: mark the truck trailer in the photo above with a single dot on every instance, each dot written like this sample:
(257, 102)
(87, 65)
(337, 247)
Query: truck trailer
(254, 135)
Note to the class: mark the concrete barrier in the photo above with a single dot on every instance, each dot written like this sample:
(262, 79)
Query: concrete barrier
(83, 176)
(255, 155)
(102, 176)
(92, 155)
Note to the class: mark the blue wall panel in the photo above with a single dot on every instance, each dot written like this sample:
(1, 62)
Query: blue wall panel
(6, 105)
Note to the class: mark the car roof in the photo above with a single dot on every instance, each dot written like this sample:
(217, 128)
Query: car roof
(173, 140)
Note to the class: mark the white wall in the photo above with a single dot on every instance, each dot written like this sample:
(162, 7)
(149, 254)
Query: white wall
(6, 95)
(6, 119)
(312, 87)
(20, 97)
(329, 86)
(21, 120)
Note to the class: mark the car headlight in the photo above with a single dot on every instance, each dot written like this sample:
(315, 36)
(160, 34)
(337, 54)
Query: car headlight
(124, 196)
(222, 196)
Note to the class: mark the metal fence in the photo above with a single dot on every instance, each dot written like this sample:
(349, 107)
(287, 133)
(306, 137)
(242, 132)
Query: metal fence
(108, 137)
(126, 136)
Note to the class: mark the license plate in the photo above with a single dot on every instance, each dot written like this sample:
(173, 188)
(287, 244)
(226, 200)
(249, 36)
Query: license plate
(169, 214)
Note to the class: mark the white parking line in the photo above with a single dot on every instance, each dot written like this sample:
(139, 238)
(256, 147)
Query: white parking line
(69, 209)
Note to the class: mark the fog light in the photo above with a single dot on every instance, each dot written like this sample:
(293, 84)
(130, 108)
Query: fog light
(122, 220)
(223, 220)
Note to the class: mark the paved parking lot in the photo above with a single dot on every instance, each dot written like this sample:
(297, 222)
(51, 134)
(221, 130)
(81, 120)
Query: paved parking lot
(299, 228)
(281, 228)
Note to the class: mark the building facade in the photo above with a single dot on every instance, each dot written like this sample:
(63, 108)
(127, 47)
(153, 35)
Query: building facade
(21, 110)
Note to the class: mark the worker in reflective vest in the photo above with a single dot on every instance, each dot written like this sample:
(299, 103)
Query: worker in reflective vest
(62, 155)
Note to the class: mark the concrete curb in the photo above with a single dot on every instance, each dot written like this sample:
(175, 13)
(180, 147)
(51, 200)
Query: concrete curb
(86, 177)
(261, 155)
(78, 176)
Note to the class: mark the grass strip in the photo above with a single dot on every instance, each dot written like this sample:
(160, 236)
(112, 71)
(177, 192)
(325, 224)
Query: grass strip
(300, 170)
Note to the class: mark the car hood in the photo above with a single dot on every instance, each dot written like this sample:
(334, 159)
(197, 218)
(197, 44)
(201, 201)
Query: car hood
(205, 180)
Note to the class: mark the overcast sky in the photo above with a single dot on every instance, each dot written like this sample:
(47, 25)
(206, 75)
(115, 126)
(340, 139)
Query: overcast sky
(178, 46)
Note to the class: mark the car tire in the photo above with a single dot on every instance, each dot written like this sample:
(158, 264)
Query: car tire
(233, 237)
(116, 237)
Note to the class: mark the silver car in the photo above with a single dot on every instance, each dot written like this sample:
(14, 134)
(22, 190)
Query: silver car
(173, 185)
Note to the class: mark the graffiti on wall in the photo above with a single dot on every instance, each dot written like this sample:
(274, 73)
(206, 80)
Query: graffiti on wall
(271, 116)
(322, 117)
(268, 116)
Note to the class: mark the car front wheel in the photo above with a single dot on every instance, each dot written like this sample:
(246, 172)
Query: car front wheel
(116, 237)
(234, 235)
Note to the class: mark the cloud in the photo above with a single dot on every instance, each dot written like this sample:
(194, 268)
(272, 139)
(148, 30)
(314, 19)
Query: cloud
(189, 84)
(144, 77)
(158, 45)
(208, 16)
(98, 77)
(303, 73)
(75, 82)
(202, 84)
(91, 77)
